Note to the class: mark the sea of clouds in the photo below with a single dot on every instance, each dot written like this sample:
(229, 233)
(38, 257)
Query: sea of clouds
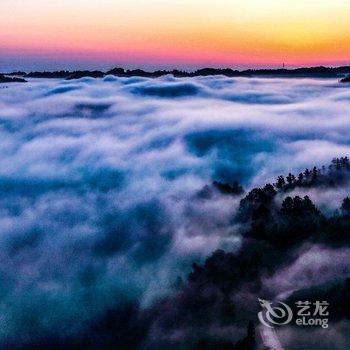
(99, 182)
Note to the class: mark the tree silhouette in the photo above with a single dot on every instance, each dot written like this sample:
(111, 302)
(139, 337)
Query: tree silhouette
(280, 182)
(249, 342)
(345, 207)
(290, 179)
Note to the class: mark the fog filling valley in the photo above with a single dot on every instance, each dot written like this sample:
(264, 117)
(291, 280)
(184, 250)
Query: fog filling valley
(100, 185)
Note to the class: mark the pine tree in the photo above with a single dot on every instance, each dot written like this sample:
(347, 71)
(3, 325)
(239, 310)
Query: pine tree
(345, 207)
(280, 182)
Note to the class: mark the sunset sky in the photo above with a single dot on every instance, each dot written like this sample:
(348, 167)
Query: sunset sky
(178, 33)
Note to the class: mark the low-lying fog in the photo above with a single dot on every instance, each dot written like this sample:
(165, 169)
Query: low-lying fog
(99, 181)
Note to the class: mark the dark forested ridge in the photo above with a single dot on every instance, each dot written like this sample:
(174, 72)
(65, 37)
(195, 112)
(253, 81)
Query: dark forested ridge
(10, 79)
(216, 306)
(346, 79)
(316, 72)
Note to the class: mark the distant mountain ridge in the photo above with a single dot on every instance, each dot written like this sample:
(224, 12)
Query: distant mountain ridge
(312, 72)
(7, 79)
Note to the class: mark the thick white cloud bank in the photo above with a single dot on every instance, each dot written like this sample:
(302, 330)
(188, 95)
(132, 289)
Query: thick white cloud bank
(99, 181)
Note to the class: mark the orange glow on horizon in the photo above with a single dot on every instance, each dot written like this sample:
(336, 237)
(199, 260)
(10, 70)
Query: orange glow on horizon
(256, 32)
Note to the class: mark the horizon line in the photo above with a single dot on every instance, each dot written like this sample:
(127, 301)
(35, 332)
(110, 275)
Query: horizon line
(185, 70)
